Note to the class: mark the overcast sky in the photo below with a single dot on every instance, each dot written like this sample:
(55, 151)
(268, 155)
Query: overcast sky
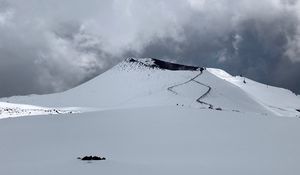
(52, 45)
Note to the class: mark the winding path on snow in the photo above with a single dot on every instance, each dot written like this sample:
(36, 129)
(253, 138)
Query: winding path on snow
(194, 80)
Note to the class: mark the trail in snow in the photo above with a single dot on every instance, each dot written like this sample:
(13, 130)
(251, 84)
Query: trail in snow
(194, 80)
(172, 87)
(204, 95)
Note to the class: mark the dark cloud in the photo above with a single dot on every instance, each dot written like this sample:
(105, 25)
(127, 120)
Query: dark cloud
(50, 46)
(255, 47)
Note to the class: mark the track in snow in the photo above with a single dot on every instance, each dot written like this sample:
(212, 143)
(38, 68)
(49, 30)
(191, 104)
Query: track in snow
(194, 80)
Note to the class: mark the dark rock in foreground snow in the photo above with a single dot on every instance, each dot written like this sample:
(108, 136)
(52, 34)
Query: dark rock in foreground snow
(92, 158)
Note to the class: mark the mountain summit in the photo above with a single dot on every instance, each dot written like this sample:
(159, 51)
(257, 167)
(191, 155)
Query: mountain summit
(159, 64)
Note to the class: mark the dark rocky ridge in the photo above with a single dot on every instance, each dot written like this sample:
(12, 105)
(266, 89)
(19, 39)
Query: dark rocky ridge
(155, 63)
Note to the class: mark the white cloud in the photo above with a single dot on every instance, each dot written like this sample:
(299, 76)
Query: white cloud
(6, 17)
(293, 48)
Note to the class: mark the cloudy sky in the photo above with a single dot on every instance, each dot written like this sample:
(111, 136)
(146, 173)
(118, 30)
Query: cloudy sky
(52, 45)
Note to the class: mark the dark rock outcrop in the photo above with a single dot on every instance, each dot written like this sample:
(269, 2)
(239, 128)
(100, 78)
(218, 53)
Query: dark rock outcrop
(92, 158)
(163, 65)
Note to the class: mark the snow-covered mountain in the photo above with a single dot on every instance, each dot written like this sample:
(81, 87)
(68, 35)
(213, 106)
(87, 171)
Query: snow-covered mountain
(148, 116)
(151, 82)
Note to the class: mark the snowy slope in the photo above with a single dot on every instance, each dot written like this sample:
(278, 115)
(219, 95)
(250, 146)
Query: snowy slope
(17, 110)
(116, 87)
(278, 100)
(147, 82)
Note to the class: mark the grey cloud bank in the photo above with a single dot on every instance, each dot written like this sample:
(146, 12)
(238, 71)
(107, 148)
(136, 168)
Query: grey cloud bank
(50, 46)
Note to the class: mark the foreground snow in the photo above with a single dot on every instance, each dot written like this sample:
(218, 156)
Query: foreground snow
(153, 140)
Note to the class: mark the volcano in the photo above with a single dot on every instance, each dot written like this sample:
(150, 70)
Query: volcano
(149, 116)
